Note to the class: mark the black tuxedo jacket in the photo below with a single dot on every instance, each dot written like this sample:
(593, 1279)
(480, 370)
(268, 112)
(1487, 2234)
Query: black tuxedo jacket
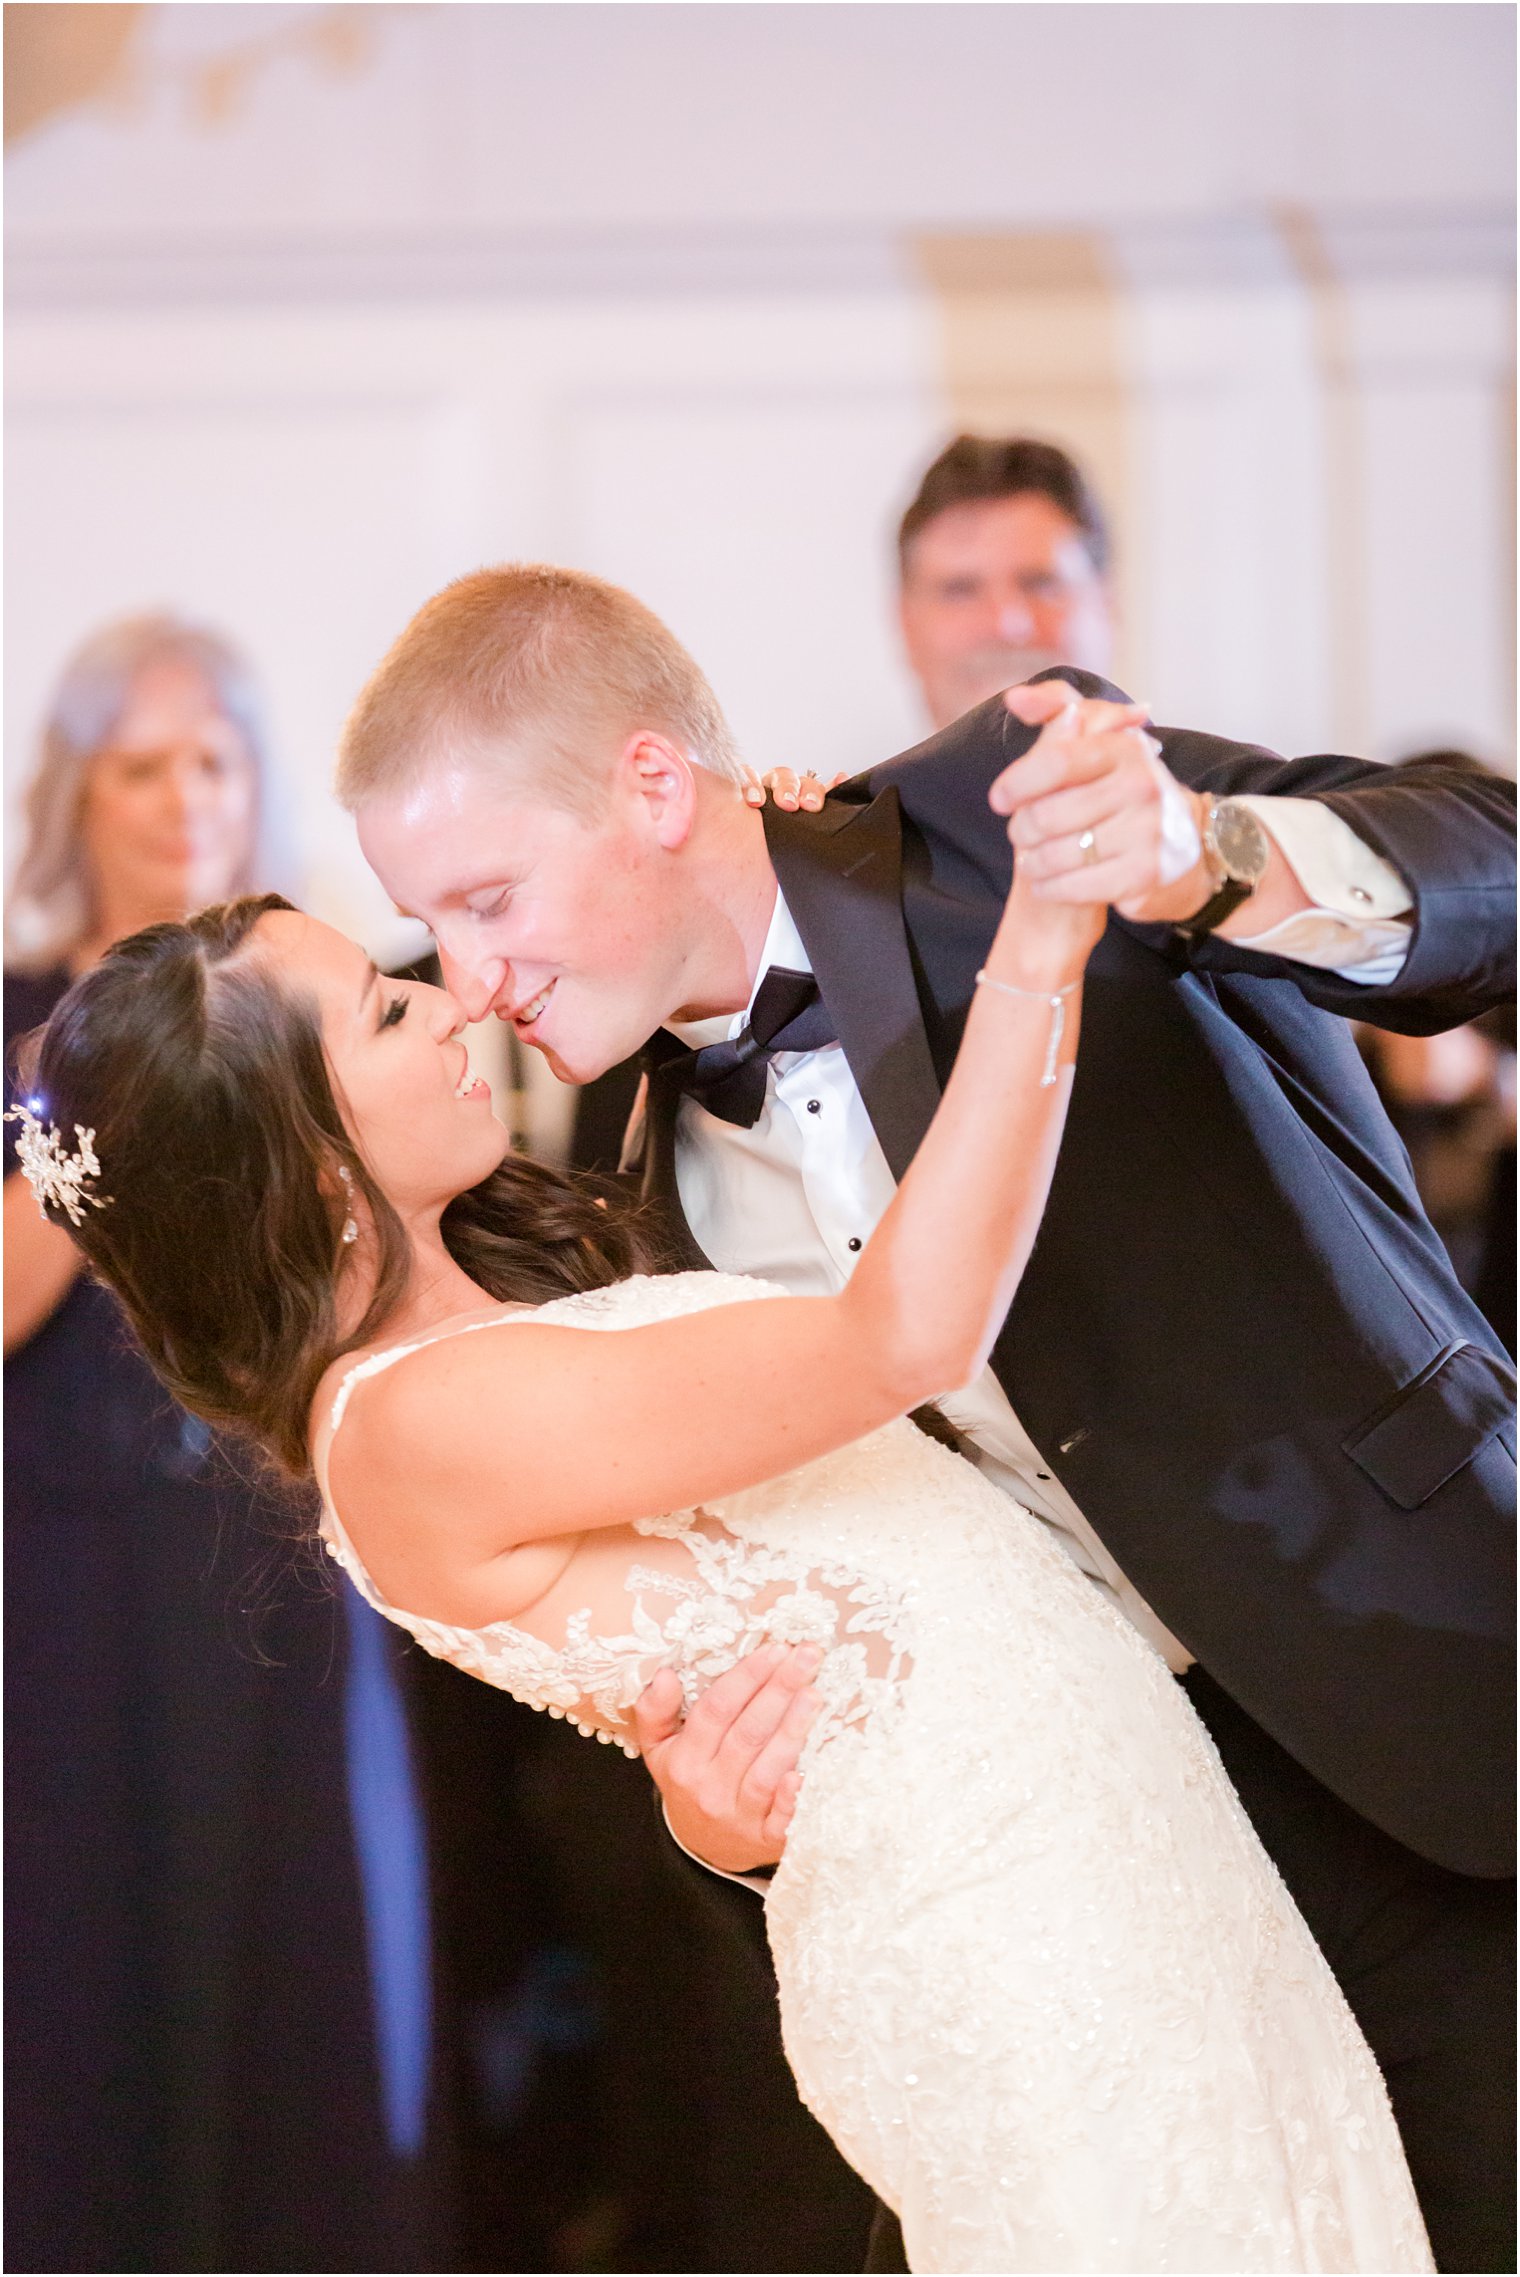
(1238, 1342)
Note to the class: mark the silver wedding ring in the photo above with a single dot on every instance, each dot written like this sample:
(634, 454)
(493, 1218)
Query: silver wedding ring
(1087, 846)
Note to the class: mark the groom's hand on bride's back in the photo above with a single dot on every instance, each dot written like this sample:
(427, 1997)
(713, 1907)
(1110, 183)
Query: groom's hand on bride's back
(728, 1769)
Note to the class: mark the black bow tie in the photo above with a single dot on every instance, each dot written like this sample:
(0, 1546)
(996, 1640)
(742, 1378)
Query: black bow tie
(788, 1015)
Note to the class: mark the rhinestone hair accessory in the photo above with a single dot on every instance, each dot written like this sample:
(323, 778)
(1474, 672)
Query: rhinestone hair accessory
(54, 1174)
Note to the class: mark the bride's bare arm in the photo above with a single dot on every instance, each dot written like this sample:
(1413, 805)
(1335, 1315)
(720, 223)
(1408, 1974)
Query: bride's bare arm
(482, 1443)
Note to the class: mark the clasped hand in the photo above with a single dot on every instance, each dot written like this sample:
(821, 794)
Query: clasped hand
(1093, 813)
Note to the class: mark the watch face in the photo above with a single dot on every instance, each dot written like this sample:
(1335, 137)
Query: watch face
(1241, 841)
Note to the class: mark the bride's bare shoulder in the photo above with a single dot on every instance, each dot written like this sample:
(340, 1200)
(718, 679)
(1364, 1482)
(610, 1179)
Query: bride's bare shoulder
(422, 1478)
(378, 1363)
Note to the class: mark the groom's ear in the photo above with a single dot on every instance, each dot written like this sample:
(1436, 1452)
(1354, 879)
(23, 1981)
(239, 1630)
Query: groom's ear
(661, 781)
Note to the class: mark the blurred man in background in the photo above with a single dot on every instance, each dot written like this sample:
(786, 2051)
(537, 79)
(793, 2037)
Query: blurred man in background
(1003, 570)
(1003, 562)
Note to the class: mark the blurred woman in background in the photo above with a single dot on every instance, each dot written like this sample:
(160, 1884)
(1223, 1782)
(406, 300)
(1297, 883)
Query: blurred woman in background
(218, 2022)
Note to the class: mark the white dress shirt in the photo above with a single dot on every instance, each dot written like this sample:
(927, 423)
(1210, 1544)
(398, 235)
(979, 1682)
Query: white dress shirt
(1356, 922)
(795, 1198)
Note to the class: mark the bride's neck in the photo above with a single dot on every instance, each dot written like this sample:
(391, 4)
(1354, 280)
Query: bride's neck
(437, 1288)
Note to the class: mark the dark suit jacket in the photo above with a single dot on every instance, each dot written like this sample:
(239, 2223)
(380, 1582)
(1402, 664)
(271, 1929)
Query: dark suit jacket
(1238, 1343)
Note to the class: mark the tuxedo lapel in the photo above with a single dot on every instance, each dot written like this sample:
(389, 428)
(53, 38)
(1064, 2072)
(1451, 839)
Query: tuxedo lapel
(841, 874)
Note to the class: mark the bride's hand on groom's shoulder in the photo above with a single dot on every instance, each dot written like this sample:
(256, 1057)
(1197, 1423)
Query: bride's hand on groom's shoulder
(786, 788)
(728, 1770)
(1094, 814)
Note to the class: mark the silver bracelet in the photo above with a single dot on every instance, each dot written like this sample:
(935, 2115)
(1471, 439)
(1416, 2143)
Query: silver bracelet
(1057, 1003)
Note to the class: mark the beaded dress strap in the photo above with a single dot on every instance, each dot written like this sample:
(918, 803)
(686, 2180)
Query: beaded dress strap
(376, 1365)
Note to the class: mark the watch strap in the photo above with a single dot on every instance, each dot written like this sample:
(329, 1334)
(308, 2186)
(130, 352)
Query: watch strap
(1215, 910)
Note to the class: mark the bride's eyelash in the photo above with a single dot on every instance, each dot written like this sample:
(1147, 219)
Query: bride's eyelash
(394, 1012)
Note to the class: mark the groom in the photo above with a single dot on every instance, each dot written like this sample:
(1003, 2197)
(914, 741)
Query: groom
(1239, 1381)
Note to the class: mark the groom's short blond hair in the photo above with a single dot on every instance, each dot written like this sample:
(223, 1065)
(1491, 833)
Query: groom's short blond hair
(541, 672)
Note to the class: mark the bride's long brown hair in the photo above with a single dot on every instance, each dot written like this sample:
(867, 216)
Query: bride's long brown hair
(206, 1087)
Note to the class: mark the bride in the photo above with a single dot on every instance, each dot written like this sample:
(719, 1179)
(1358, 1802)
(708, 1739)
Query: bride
(1037, 1976)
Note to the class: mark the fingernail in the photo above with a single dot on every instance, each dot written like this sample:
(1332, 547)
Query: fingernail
(809, 1657)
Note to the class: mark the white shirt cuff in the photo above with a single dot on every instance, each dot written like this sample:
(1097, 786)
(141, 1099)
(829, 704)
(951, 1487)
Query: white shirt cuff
(1357, 925)
(759, 1883)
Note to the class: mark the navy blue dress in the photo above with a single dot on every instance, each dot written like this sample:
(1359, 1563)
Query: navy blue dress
(217, 2028)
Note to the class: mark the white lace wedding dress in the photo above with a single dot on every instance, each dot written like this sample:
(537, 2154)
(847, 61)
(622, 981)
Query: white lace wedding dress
(1038, 1978)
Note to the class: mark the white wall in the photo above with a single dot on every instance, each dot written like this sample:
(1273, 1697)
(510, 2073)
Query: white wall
(632, 287)
(706, 117)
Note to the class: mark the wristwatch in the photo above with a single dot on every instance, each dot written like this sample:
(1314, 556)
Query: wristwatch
(1236, 851)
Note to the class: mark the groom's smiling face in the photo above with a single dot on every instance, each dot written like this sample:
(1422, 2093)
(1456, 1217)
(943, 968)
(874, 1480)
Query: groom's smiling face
(560, 923)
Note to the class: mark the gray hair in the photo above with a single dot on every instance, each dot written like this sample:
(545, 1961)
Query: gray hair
(51, 905)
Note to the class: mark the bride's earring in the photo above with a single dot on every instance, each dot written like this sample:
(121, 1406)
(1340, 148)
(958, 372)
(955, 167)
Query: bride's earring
(350, 1223)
